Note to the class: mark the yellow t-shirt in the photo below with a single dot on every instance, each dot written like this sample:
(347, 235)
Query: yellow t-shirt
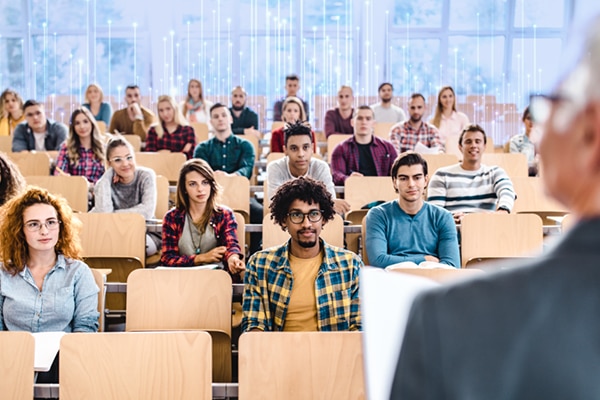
(302, 309)
(6, 128)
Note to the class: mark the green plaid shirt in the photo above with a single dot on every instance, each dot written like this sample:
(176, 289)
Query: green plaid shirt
(235, 155)
(268, 285)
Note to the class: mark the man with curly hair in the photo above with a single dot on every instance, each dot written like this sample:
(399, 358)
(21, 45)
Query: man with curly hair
(304, 284)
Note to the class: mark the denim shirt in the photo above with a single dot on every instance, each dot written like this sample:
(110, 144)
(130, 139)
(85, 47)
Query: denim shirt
(67, 302)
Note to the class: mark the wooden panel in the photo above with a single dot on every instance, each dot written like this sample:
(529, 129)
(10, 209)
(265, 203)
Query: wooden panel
(152, 365)
(236, 193)
(515, 164)
(362, 190)
(162, 196)
(163, 163)
(73, 188)
(301, 365)
(16, 365)
(31, 163)
(332, 142)
(500, 235)
(201, 131)
(382, 129)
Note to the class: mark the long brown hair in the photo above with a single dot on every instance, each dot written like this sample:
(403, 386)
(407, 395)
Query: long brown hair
(73, 141)
(14, 250)
(183, 199)
(11, 181)
(437, 118)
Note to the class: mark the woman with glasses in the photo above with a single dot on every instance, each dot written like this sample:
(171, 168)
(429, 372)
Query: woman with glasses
(44, 285)
(11, 112)
(199, 230)
(447, 119)
(522, 143)
(172, 132)
(82, 154)
(127, 188)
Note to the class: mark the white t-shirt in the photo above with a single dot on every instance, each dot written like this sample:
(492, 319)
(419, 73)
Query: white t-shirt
(40, 141)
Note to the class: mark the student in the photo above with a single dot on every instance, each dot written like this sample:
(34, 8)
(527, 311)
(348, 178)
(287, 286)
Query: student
(94, 101)
(172, 132)
(199, 230)
(38, 133)
(195, 107)
(523, 143)
(82, 154)
(447, 119)
(11, 112)
(44, 285)
(293, 111)
(125, 187)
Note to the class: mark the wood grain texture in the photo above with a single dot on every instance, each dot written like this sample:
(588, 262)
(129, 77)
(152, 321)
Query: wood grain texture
(16, 365)
(73, 188)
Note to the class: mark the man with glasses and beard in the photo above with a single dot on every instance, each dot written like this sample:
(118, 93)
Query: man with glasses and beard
(245, 120)
(304, 284)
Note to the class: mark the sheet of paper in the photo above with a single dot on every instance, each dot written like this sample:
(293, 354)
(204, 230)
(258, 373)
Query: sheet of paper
(46, 348)
(422, 149)
(386, 299)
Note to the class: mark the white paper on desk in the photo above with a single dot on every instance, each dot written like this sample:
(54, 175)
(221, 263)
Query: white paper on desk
(422, 149)
(203, 266)
(46, 348)
(385, 301)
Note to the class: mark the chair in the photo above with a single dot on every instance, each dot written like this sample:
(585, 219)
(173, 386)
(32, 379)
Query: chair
(241, 231)
(100, 279)
(102, 126)
(332, 142)
(567, 223)
(515, 164)
(73, 188)
(6, 144)
(532, 198)
(165, 164)
(149, 365)
(500, 235)
(273, 235)
(436, 161)
(162, 196)
(254, 140)
(273, 156)
(382, 129)
(200, 130)
(441, 275)
(17, 351)
(184, 299)
(115, 241)
(276, 125)
(236, 193)
(31, 163)
(301, 365)
(134, 140)
(362, 190)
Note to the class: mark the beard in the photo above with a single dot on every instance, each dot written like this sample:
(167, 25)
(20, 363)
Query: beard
(386, 100)
(307, 244)
(235, 108)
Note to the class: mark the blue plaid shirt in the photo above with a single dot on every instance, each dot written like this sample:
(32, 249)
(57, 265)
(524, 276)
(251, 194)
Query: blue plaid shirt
(268, 285)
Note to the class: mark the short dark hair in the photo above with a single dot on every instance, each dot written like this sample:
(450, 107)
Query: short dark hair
(363, 107)
(472, 128)
(296, 129)
(31, 103)
(526, 114)
(384, 84)
(215, 106)
(304, 189)
(129, 87)
(292, 77)
(415, 95)
(408, 158)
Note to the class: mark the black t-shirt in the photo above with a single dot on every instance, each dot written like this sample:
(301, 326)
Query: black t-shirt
(366, 164)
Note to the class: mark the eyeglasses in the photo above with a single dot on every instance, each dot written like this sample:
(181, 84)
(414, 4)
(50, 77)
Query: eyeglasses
(34, 226)
(119, 160)
(297, 217)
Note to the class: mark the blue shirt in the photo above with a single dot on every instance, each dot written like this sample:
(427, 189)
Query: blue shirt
(393, 236)
(67, 302)
(104, 114)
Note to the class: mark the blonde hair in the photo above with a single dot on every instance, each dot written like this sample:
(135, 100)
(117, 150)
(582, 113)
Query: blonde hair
(178, 117)
(87, 90)
(437, 118)
(3, 96)
(298, 102)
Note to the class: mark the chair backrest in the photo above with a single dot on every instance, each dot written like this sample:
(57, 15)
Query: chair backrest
(200, 130)
(442, 275)
(365, 257)
(6, 144)
(149, 365)
(382, 129)
(100, 279)
(241, 232)
(276, 125)
(531, 197)
(333, 141)
(17, 351)
(515, 164)
(236, 193)
(134, 140)
(436, 161)
(165, 164)
(500, 235)
(273, 235)
(301, 365)
(274, 156)
(102, 126)
(73, 188)
(162, 196)
(31, 163)
(254, 140)
(178, 299)
(362, 190)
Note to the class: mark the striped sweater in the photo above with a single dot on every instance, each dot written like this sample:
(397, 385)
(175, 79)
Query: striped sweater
(457, 189)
